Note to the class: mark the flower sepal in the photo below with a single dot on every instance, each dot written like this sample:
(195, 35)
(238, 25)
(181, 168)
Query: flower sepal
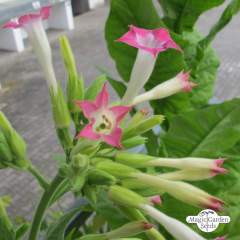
(60, 111)
(143, 126)
(100, 177)
(116, 169)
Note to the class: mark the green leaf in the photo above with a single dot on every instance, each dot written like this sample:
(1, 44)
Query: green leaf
(204, 132)
(57, 230)
(20, 232)
(182, 14)
(205, 72)
(95, 87)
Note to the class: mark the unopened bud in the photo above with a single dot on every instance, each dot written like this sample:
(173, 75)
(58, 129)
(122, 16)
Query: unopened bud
(133, 142)
(86, 147)
(129, 229)
(126, 197)
(16, 144)
(142, 126)
(177, 84)
(100, 177)
(135, 160)
(79, 163)
(116, 169)
(59, 109)
(182, 191)
(75, 88)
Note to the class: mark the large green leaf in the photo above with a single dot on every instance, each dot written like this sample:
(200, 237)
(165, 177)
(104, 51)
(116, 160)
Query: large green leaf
(205, 132)
(182, 14)
(212, 132)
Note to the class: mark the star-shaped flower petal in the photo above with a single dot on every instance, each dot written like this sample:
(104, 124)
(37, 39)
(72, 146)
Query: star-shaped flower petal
(153, 41)
(104, 120)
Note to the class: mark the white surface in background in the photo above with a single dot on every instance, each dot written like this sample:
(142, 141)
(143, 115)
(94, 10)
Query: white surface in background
(95, 3)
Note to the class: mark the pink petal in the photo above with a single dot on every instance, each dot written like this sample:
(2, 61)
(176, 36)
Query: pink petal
(11, 24)
(156, 200)
(45, 12)
(219, 162)
(87, 107)
(102, 98)
(161, 39)
(114, 138)
(186, 84)
(87, 132)
(120, 112)
(28, 18)
(215, 204)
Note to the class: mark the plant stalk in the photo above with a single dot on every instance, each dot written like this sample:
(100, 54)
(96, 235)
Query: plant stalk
(43, 205)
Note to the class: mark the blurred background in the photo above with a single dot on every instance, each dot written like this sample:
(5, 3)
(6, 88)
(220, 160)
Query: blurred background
(24, 94)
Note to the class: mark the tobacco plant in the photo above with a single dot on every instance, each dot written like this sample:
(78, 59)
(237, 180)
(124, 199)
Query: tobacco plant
(135, 174)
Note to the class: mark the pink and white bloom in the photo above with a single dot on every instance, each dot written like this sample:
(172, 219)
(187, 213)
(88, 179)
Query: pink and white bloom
(32, 24)
(149, 44)
(177, 229)
(104, 120)
(180, 83)
(215, 166)
(180, 190)
(128, 198)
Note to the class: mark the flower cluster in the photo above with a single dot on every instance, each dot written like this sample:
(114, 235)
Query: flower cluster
(94, 156)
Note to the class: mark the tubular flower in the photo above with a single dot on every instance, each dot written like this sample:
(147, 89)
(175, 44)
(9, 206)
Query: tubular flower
(177, 84)
(182, 191)
(103, 120)
(32, 23)
(149, 44)
(128, 198)
(214, 166)
(176, 228)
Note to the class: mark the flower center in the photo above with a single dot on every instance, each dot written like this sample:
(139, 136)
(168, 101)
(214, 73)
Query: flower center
(104, 122)
(149, 41)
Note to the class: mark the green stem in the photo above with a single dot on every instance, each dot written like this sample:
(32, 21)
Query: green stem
(65, 139)
(43, 205)
(39, 177)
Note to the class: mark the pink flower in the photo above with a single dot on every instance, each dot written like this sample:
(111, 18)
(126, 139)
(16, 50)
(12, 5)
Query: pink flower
(153, 41)
(103, 120)
(170, 87)
(22, 21)
(217, 168)
(186, 84)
